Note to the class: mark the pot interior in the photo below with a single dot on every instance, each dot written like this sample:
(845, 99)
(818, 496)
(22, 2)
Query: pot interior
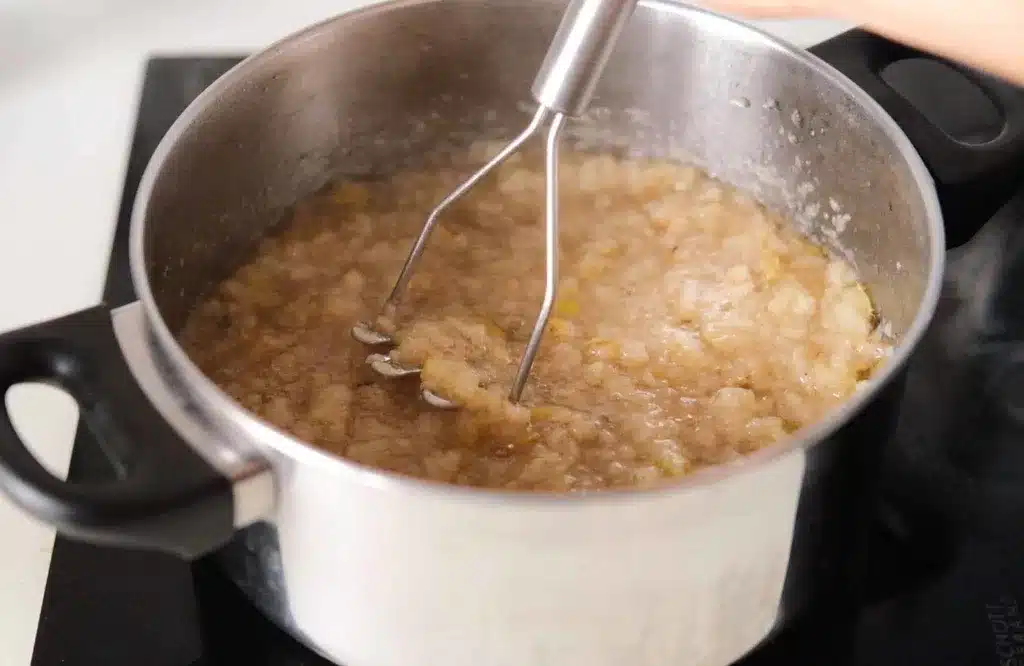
(370, 91)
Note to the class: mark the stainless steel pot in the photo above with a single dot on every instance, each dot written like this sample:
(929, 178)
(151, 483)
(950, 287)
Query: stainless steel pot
(375, 570)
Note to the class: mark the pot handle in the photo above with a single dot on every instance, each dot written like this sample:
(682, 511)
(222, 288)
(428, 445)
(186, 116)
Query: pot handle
(973, 180)
(164, 496)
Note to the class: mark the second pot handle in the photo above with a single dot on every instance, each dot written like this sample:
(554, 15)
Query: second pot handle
(163, 495)
(973, 180)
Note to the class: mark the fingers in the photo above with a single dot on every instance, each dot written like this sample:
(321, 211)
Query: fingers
(764, 9)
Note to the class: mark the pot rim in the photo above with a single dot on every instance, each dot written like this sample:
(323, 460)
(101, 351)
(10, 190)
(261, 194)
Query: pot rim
(250, 424)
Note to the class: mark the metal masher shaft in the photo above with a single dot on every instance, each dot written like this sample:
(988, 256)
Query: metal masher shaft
(564, 85)
(578, 53)
(563, 88)
(550, 257)
(405, 274)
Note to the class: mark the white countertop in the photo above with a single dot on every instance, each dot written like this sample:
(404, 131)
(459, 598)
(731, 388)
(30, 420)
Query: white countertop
(69, 84)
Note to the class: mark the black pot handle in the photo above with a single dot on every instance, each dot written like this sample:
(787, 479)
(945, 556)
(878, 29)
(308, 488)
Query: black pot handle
(973, 180)
(163, 496)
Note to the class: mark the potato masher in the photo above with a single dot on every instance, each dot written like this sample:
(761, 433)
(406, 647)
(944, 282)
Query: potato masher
(563, 88)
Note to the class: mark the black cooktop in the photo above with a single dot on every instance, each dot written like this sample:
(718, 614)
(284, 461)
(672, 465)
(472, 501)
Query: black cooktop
(943, 583)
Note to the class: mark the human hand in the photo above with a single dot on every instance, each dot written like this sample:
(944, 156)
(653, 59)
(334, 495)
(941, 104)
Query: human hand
(982, 33)
(760, 9)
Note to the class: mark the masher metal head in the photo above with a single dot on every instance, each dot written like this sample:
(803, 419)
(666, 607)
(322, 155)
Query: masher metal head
(563, 88)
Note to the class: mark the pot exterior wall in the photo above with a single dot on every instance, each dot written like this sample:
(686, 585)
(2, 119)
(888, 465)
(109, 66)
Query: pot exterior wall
(698, 577)
(687, 578)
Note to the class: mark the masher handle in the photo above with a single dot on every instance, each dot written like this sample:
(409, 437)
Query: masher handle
(578, 53)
